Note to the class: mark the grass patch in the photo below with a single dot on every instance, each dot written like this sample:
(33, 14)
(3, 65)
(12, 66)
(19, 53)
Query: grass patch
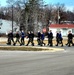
(22, 49)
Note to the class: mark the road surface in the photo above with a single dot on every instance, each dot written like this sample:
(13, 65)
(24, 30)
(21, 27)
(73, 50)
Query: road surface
(37, 63)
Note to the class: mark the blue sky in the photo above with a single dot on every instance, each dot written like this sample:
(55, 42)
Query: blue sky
(68, 3)
(3, 2)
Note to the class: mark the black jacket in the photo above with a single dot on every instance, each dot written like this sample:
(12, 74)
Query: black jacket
(70, 36)
(17, 35)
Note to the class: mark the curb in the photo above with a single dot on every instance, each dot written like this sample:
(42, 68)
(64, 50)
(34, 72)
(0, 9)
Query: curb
(50, 49)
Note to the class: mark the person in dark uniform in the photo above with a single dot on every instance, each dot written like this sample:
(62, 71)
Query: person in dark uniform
(38, 37)
(42, 39)
(60, 39)
(22, 37)
(17, 38)
(10, 38)
(57, 38)
(50, 37)
(30, 36)
(70, 39)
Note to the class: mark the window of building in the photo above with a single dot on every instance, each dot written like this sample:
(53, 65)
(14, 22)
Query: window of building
(72, 30)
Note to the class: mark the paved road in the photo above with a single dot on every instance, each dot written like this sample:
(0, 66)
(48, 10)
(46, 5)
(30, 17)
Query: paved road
(37, 63)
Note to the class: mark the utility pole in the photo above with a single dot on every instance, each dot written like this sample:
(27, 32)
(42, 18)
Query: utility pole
(58, 17)
(12, 18)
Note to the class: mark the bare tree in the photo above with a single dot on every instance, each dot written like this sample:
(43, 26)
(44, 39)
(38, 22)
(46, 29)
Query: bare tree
(33, 15)
(32, 11)
(58, 13)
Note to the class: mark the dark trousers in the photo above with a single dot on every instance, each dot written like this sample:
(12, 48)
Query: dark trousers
(9, 40)
(38, 40)
(30, 40)
(50, 41)
(42, 42)
(70, 42)
(57, 40)
(17, 40)
(22, 41)
(60, 41)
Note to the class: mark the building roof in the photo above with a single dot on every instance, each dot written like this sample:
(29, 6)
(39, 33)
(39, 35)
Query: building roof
(61, 26)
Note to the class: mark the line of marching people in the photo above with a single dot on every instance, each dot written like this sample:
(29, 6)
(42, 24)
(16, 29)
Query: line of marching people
(18, 35)
(50, 38)
(40, 38)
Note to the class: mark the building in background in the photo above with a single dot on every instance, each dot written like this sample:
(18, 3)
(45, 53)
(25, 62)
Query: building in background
(6, 26)
(64, 28)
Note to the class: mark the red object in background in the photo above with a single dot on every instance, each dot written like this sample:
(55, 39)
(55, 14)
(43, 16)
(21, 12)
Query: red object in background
(44, 30)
